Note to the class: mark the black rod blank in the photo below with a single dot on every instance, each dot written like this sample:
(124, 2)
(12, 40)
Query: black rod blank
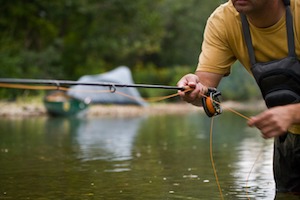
(59, 83)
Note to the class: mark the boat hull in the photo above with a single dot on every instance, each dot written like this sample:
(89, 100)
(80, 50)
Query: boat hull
(59, 104)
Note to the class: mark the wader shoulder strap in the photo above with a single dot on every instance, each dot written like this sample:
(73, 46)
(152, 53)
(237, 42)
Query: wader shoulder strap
(286, 2)
(290, 34)
(248, 39)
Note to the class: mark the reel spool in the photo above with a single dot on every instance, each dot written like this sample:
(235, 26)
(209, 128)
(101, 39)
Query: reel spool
(211, 102)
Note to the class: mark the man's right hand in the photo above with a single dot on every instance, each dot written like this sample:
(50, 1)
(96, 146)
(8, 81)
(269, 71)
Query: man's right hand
(198, 90)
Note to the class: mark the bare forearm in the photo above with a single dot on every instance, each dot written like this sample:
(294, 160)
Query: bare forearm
(209, 79)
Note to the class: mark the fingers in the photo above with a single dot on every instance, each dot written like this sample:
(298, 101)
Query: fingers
(271, 123)
(189, 80)
(192, 96)
(267, 128)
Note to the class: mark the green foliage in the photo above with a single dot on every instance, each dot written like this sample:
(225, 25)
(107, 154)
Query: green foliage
(150, 74)
(159, 40)
(239, 85)
(185, 22)
(98, 35)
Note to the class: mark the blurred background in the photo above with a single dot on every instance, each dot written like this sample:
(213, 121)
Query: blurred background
(159, 41)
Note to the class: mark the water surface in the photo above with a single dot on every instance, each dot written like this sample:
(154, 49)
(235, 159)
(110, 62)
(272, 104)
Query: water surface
(157, 157)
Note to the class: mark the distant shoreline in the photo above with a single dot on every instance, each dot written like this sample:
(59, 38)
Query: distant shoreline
(30, 109)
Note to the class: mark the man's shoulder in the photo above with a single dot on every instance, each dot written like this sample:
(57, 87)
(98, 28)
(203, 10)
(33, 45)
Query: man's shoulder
(225, 11)
(224, 17)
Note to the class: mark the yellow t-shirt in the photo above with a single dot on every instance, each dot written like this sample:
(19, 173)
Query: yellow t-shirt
(224, 43)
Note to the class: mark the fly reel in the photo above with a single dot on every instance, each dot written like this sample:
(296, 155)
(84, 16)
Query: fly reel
(211, 102)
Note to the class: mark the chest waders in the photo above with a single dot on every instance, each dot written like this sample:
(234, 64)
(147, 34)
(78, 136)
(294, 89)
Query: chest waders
(279, 82)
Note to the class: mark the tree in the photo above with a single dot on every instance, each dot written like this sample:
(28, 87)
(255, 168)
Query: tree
(184, 27)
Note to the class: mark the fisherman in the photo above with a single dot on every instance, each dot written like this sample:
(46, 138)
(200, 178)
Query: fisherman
(264, 36)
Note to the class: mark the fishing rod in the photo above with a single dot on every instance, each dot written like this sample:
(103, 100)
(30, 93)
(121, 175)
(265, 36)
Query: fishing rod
(210, 100)
(60, 83)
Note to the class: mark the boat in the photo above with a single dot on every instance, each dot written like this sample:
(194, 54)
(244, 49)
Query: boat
(59, 103)
(72, 101)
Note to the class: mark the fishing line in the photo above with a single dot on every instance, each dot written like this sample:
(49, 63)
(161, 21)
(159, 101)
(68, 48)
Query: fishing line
(212, 157)
(211, 149)
(213, 162)
(248, 177)
(32, 87)
(236, 112)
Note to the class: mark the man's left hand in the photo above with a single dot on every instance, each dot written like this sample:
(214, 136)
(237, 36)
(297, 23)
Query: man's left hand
(273, 122)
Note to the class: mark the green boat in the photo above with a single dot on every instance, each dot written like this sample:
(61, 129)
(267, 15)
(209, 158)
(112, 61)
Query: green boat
(60, 104)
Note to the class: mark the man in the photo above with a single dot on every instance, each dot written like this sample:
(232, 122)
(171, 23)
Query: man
(225, 42)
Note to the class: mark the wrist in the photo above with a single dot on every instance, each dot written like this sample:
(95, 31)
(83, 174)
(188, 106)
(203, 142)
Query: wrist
(293, 110)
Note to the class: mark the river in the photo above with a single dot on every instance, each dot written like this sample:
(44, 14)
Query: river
(151, 157)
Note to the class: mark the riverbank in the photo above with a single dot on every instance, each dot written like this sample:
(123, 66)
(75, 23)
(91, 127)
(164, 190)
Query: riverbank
(36, 108)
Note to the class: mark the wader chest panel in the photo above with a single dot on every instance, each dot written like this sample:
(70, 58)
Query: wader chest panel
(279, 80)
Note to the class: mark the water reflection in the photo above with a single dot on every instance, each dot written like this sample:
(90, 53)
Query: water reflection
(159, 157)
(107, 138)
(253, 168)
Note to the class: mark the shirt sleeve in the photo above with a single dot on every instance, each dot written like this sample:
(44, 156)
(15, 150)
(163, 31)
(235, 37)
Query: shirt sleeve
(216, 55)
